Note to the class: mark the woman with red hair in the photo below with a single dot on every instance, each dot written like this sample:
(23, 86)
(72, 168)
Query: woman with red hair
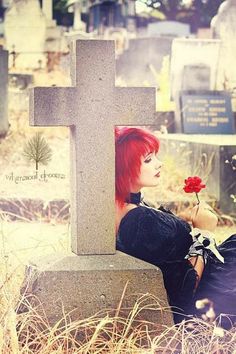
(193, 267)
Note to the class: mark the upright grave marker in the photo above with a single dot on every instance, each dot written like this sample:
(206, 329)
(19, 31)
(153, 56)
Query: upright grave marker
(206, 112)
(195, 70)
(96, 277)
(25, 32)
(3, 91)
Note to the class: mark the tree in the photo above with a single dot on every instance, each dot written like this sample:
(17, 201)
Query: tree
(38, 150)
(198, 11)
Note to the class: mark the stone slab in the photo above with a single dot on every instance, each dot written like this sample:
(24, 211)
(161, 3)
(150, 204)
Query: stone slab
(208, 159)
(84, 285)
(206, 112)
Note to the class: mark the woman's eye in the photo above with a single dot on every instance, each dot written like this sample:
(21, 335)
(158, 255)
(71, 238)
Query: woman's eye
(147, 160)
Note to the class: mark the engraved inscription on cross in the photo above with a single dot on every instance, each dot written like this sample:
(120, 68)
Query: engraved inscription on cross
(92, 108)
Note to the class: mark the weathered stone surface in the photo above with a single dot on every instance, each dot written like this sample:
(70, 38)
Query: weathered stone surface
(3, 91)
(92, 108)
(208, 156)
(96, 278)
(88, 284)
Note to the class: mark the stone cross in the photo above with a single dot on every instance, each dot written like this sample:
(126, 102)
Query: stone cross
(95, 276)
(91, 109)
(3, 91)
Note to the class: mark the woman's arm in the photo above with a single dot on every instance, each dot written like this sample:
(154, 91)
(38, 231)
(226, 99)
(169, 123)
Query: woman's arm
(198, 264)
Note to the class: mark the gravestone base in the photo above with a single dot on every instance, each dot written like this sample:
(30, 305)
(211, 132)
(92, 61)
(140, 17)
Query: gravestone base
(84, 285)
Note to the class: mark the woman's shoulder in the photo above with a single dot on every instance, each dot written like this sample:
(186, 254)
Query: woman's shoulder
(144, 229)
(140, 211)
(146, 218)
(150, 219)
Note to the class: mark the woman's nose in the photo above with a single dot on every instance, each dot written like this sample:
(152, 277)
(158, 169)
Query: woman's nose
(158, 164)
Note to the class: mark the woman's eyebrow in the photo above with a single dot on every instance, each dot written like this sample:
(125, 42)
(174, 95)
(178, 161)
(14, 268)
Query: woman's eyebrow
(148, 153)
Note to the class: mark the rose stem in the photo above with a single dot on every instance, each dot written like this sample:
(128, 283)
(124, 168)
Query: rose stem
(198, 201)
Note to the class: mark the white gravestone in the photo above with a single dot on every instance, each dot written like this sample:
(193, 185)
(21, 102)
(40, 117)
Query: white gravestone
(224, 28)
(54, 37)
(168, 28)
(25, 31)
(47, 10)
(3, 92)
(95, 278)
(199, 53)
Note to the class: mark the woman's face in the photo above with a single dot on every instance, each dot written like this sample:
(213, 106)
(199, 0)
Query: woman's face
(149, 172)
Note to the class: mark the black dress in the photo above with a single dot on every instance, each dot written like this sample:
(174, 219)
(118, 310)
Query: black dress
(159, 237)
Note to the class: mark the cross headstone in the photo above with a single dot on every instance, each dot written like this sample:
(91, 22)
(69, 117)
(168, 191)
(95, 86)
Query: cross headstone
(91, 108)
(3, 91)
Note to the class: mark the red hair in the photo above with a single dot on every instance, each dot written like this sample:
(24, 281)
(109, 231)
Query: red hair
(131, 144)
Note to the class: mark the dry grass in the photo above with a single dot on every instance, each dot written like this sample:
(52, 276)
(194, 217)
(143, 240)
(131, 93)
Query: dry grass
(29, 331)
(106, 333)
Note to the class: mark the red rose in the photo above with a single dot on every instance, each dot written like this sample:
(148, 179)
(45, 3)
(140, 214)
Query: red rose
(193, 185)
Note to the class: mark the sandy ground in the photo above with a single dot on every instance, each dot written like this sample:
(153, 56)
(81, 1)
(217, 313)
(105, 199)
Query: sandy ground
(22, 242)
(27, 240)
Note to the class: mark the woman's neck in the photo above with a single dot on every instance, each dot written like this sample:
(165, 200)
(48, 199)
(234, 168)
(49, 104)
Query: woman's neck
(134, 198)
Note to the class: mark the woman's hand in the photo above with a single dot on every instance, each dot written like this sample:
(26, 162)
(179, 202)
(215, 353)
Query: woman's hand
(203, 217)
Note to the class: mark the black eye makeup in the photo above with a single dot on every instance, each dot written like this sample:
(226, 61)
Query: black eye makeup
(148, 158)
